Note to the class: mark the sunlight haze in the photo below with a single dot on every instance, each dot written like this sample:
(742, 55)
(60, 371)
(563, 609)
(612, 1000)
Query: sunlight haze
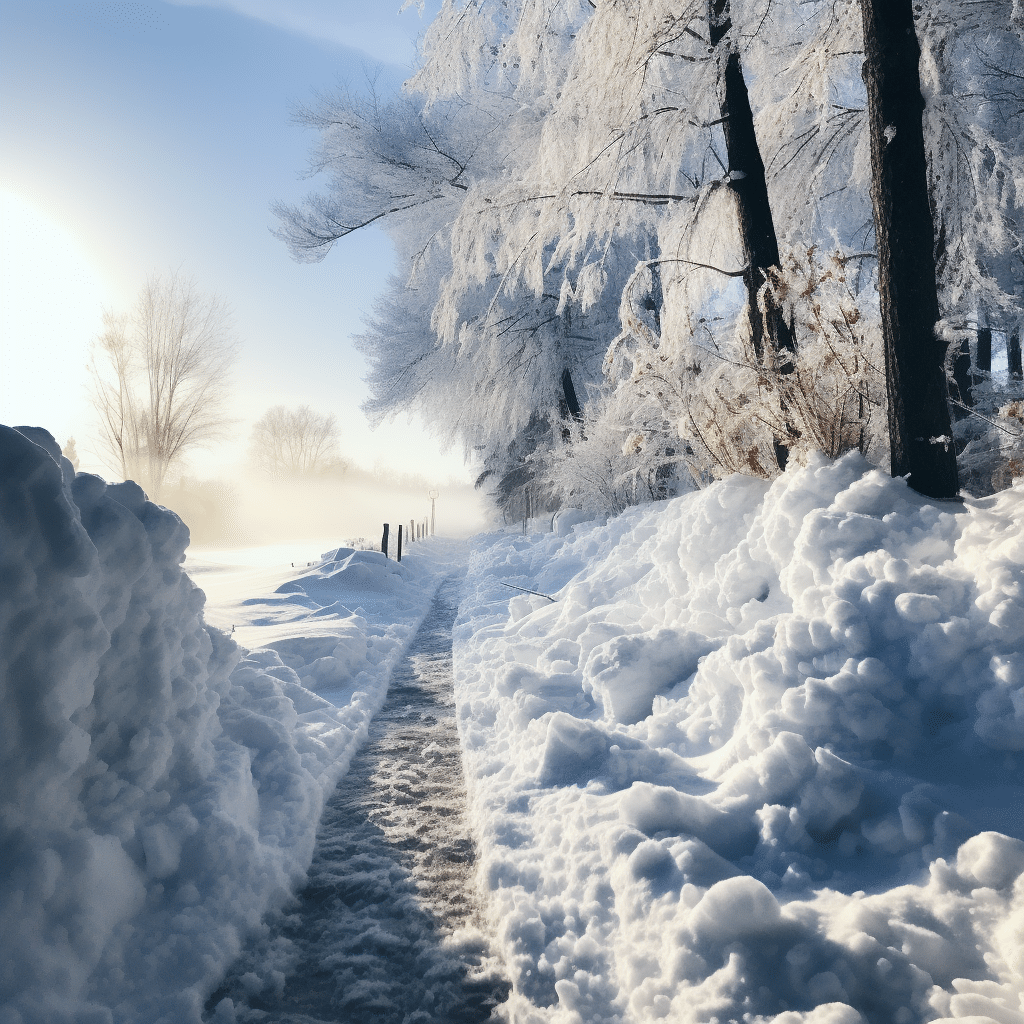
(144, 138)
(50, 309)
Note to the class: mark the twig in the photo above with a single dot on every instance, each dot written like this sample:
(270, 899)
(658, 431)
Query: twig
(525, 591)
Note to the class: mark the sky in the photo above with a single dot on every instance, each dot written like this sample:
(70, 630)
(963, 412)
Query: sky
(145, 138)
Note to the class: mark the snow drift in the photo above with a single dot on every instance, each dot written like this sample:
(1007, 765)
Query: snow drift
(162, 787)
(761, 760)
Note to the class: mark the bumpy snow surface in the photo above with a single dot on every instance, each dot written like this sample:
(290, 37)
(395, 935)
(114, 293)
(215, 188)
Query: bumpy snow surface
(161, 787)
(759, 760)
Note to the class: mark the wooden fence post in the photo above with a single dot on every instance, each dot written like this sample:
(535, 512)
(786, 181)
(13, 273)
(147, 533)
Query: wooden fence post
(399, 542)
(384, 540)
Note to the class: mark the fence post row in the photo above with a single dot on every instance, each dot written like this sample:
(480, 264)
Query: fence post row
(417, 531)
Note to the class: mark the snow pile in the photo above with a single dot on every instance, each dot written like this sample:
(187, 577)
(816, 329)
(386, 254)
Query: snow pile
(761, 760)
(162, 787)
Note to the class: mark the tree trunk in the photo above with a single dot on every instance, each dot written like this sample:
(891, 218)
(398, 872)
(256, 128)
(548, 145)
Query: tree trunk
(920, 435)
(984, 350)
(982, 362)
(757, 226)
(965, 380)
(963, 398)
(570, 402)
(768, 328)
(1013, 356)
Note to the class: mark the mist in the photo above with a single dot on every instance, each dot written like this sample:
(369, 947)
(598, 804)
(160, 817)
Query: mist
(250, 509)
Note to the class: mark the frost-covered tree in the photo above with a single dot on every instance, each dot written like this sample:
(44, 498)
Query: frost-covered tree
(650, 153)
(971, 75)
(160, 378)
(746, 179)
(973, 54)
(455, 330)
(70, 452)
(587, 199)
(295, 442)
(389, 162)
(653, 222)
(527, 356)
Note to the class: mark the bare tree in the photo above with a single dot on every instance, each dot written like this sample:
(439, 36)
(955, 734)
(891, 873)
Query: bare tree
(295, 442)
(70, 452)
(160, 376)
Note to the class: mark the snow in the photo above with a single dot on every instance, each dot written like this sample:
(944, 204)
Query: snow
(761, 759)
(389, 904)
(162, 785)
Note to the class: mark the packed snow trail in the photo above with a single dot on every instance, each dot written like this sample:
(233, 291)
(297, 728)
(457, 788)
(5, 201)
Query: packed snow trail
(387, 927)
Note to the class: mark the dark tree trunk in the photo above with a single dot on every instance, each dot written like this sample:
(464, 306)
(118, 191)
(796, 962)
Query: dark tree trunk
(757, 226)
(570, 401)
(965, 379)
(962, 382)
(919, 425)
(568, 405)
(985, 350)
(982, 364)
(1013, 356)
(768, 332)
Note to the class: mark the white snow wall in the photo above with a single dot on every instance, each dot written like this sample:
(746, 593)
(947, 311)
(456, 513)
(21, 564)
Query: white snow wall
(156, 800)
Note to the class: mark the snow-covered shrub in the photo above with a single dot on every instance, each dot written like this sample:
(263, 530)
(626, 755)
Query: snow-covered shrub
(622, 453)
(832, 395)
(730, 407)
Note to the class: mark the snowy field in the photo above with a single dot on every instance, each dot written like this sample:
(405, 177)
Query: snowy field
(759, 760)
(162, 786)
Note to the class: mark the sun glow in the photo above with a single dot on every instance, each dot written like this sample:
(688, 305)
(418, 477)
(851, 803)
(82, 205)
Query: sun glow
(51, 300)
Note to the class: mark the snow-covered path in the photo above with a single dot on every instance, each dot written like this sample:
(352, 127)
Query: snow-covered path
(387, 928)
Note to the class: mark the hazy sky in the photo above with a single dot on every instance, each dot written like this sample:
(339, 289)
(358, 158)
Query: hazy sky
(143, 137)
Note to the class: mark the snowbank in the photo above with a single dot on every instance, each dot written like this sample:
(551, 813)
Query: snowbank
(761, 760)
(161, 786)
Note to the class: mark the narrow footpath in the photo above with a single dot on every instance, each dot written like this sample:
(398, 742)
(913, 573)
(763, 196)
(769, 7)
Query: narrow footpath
(388, 928)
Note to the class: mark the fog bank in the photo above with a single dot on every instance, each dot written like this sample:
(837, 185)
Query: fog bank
(252, 509)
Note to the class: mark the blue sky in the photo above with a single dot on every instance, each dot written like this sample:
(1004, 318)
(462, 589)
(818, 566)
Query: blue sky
(142, 137)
